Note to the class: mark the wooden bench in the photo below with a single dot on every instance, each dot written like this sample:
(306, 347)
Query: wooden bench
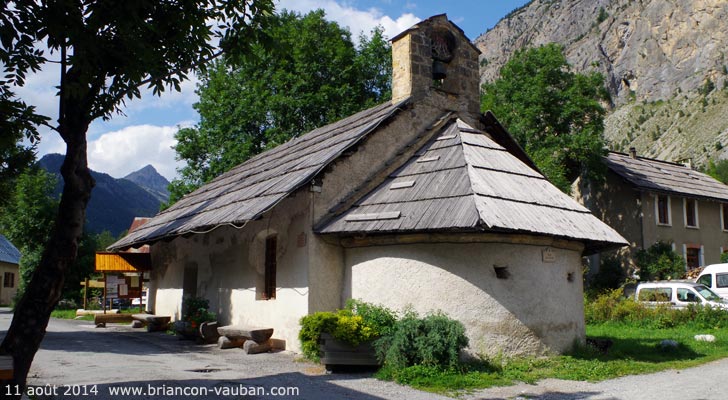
(102, 319)
(6, 367)
(153, 322)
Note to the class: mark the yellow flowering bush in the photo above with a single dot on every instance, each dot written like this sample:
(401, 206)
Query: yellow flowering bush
(357, 323)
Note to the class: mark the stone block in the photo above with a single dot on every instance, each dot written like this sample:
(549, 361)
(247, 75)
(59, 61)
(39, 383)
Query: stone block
(235, 331)
(224, 342)
(253, 347)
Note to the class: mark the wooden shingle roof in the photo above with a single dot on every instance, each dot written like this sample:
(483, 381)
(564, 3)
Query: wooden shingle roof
(666, 177)
(255, 186)
(462, 180)
(8, 253)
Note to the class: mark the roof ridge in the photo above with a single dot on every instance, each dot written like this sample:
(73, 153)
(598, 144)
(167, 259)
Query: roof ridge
(642, 158)
(533, 203)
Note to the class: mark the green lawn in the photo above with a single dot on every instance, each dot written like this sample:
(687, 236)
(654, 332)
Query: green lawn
(634, 351)
(71, 314)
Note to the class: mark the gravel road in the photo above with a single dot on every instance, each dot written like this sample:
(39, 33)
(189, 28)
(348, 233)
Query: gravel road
(78, 361)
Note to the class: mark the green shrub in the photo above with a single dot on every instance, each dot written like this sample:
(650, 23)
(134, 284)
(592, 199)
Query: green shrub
(724, 257)
(611, 275)
(660, 262)
(357, 323)
(602, 16)
(196, 311)
(379, 318)
(435, 340)
(613, 307)
(311, 328)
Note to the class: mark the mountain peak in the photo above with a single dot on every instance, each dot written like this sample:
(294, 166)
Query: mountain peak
(151, 181)
(114, 202)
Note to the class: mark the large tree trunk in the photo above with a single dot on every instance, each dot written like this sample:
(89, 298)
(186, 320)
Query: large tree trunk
(42, 293)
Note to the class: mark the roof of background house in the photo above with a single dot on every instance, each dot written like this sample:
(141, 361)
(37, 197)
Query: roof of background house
(666, 177)
(8, 252)
(138, 222)
(462, 180)
(255, 186)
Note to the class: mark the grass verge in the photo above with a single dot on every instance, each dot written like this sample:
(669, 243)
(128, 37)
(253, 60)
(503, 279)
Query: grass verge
(635, 350)
(71, 314)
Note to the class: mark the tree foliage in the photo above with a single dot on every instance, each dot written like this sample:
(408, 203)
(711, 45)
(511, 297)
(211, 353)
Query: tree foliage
(27, 218)
(718, 170)
(308, 75)
(106, 51)
(660, 262)
(556, 115)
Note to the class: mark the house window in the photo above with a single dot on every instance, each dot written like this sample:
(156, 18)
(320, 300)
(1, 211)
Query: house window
(692, 257)
(724, 215)
(662, 206)
(269, 290)
(691, 213)
(9, 280)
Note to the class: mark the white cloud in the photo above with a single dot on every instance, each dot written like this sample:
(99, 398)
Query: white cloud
(121, 152)
(356, 20)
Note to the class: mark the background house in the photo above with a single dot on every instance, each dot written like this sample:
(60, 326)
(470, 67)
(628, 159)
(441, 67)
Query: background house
(648, 200)
(421, 202)
(9, 270)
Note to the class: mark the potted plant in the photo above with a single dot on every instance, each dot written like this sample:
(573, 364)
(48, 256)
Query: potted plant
(345, 337)
(196, 312)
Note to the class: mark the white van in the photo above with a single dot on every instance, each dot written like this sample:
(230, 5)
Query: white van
(676, 294)
(715, 277)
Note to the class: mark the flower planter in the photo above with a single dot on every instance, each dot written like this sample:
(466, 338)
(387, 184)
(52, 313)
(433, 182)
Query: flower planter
(208, 332)
(335, 353)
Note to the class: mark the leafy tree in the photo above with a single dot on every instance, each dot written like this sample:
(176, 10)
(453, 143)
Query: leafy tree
(610, 276)
(106, 51)
(27, 217)
(660, 262)
(556, 115)
(718, 170)
(311, 74)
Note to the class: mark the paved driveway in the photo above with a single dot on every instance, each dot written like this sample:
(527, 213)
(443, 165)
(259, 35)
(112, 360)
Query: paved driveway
(77, 357)
(79, 361)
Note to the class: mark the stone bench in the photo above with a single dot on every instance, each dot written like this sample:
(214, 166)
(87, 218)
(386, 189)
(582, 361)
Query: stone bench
(102, 319)
(253, 340)
(153, 322)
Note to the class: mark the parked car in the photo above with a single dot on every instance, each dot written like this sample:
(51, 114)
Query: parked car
(135, 300)
(715, 277)
(677, 294)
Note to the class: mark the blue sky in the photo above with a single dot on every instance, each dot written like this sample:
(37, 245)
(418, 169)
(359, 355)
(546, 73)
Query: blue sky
(145, 133)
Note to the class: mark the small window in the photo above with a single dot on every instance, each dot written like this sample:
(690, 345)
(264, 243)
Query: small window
(691, 213)
(663, 209)
(692, 257)
(655, 294)
(686, 295)
(707, 280)
(721, 280)
(724, 215)
(269, 291)
(9, 280)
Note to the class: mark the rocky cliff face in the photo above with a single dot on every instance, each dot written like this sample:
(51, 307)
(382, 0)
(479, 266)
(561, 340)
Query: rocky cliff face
(649, 51)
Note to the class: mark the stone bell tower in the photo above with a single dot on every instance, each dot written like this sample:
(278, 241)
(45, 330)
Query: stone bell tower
(434, 56)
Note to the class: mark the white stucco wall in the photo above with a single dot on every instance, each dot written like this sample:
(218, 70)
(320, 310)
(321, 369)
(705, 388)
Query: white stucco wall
(537, 309)
(230, 271)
